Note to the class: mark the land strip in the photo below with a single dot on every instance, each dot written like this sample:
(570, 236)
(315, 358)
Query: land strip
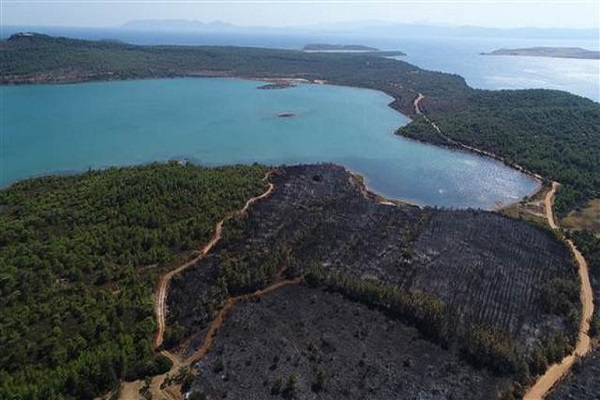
(418, 110)
(557, 371)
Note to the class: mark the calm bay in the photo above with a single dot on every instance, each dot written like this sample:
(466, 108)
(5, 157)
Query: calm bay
(213, 121)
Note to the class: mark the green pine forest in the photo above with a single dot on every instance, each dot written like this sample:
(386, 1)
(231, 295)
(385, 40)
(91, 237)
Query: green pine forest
(80, 257)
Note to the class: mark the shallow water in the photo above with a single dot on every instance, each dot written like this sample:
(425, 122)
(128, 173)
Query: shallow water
(53, 128)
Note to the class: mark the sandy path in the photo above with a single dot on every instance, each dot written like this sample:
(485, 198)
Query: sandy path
(549, 203)
(130, 390)
(217, 322)
(557, 371)
(417, 102)
(161, 291)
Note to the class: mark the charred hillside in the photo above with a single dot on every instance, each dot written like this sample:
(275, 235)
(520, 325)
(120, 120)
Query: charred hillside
(313, 344)
(487, 289)
(583, 382)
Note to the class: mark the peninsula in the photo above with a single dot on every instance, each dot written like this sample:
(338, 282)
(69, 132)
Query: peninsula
(554, 52)
(348, 48)
(338, 47)
(169, 261)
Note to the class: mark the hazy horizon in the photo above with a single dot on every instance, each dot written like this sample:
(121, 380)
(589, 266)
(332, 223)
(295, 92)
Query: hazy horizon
(304, 13)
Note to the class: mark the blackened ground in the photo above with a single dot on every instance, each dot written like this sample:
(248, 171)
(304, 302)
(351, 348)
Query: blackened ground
(489, 269)
(583, 383)
(336, 349)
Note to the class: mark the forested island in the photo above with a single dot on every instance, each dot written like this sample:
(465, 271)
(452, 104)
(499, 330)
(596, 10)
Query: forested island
(555, 52)
(77, 304)
(338, 47)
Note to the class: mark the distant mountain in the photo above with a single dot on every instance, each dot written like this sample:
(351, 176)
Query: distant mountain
(556, 52)
(368, 28)
(411, 30)
(178, 25)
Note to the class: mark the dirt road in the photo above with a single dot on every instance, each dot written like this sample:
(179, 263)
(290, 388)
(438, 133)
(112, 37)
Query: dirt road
(163, 285)
(218, 320)
(417, 102)
(130, 390)
(549, 204)
(557, 371)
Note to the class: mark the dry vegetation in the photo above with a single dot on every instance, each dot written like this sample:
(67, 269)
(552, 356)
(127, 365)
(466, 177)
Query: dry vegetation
(587, 218)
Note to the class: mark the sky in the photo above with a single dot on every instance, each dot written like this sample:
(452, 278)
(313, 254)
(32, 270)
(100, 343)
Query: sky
(112, 13)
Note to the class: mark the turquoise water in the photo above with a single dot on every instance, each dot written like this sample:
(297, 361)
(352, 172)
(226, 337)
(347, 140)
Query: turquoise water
(65, 128)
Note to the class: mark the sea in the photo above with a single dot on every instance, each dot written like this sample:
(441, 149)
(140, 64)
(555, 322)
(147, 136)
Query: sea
(49, 129)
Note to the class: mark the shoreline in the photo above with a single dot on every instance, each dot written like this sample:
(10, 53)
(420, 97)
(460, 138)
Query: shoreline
(455, 144)
(293, 82)
(363, 184)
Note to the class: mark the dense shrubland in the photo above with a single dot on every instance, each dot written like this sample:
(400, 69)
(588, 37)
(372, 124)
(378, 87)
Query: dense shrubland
(79, 259)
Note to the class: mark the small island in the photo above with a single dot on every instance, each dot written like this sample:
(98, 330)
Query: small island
(338, 47)
(554, 52)
(276, 85)
(347, 48)
(286, 114)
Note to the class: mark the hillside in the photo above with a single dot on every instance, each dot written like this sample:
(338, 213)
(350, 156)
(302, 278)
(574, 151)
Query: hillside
(551, 133)
(492, 292)
(487, 301)
(77, 304)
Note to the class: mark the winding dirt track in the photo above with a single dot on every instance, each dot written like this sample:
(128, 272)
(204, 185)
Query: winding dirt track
(130, 390)
(417, 104)
(557, 371)
(218, 320)
(163, 284)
